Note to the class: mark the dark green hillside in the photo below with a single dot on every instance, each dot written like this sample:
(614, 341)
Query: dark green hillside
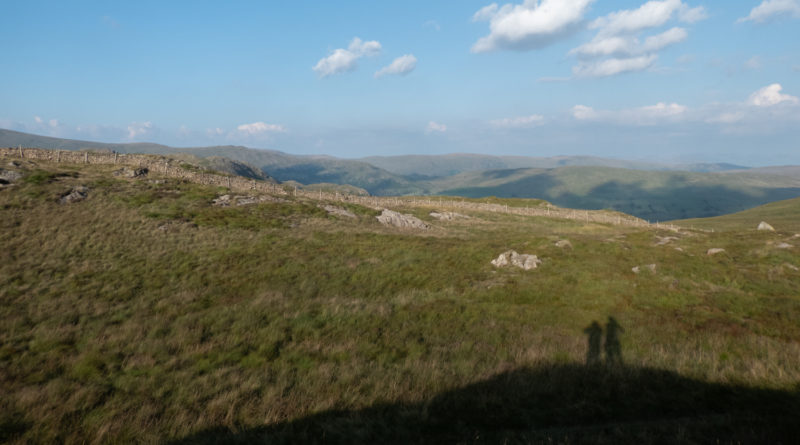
(655, 196)
(782, 215)
(138, 310)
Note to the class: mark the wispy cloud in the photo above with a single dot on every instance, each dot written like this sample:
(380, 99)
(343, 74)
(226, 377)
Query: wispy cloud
(648, 115)
(432, 24)
(258, 128)
(772, 9)
(435, 127)
(518, 122)
(344, 60)
(529, 25)
(137, 129)
(400, 66)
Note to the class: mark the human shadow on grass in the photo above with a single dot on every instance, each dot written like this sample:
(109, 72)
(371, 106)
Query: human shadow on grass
(553, 403)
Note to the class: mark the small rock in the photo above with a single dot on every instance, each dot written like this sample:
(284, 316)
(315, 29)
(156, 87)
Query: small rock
(448, 216)
(564, 244)
(764, 226)
(662, 240)
(392, 218)
(222, 201)
(784, 246)
(75, 195)
(792, 267)
(338, 211)
(650, 267)
(14, 164)
(128, 172)
(523, 261)
(679, 249)
(714, 251)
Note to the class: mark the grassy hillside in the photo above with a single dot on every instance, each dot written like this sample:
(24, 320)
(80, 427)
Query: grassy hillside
(655, 196)
(146, 314)
(782, 215)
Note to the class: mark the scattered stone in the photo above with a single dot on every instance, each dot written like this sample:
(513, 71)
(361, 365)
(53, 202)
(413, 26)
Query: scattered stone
(650, 267)
(662, 240)
(564, 244)
(338, 211)
(228, 200)
(392, 218)
(14, 164)
(784, 246)
(75, 195)
(448, 216)
(512, 258)
(714, 251)
(127, 172)
(792, 267)
(764, 226)
(679, 249)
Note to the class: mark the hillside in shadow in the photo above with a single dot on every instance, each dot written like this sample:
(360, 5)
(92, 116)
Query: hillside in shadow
(557, 403)
(669, 197)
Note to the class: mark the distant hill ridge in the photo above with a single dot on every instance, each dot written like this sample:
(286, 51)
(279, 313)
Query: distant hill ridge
(655, 192)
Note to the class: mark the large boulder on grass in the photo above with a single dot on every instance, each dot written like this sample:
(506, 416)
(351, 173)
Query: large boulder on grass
(392, 218)
(764, 226)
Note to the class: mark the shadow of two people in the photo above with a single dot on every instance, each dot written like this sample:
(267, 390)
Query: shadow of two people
(612, 345)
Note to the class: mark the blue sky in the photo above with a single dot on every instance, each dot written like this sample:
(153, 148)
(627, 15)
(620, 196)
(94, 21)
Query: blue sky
(666, 80)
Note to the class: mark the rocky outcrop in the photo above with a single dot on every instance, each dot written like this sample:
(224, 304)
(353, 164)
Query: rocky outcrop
(764, 226)
(664, 240)
(75, 195)
(714, 251)
(395, 219)
(448, 216)
(338, 211)
(512, 258)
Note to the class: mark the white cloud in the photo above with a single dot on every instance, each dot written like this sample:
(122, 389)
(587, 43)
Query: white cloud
(435, 127)
(617, 47)
(432, 24)
(37, 119)
(518, 122)
(257, 128)
(610, 67)
(770, 9)
(727, 118)
(753, 63)
(136, 129)
(344, 60)
(215, 131)
(647, 115)
(771, 95)
(401, 66)
(529, 25)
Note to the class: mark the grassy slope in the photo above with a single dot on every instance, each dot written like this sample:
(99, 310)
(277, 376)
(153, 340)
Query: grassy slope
(145, 314)
(782, 215)
(649, 195)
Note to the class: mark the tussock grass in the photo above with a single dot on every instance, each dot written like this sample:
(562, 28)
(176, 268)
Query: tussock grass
(145, 314)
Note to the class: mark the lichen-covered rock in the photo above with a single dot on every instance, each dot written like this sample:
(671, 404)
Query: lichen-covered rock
(714, 251)
(764, 226)
(392, 218)
(512, 258)
(75, 195)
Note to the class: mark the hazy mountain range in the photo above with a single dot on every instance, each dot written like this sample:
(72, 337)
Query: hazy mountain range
(648, 190)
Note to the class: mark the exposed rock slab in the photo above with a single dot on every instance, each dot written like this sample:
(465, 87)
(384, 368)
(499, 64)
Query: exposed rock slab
(714, 251)
(127, 172)
(9, 176)
(395, 219)
(765, 226)
(512, 258)
(240, 200)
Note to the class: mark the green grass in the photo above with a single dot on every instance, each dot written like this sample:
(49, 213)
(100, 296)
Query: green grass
(782, 215)
(146, 314)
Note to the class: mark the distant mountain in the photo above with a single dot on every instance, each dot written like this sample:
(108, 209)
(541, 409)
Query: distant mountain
(279, 165)
(648, 190)
(437, 166)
